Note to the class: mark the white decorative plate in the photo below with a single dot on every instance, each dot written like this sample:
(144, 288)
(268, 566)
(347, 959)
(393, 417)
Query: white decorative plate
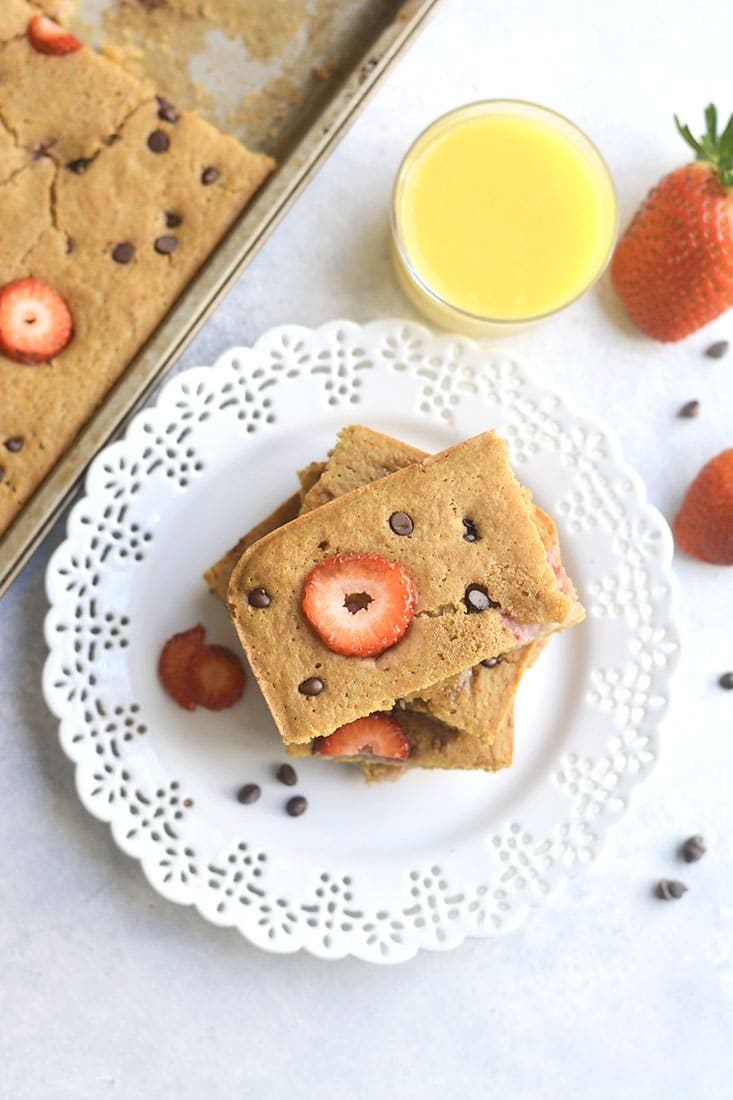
(374, 871)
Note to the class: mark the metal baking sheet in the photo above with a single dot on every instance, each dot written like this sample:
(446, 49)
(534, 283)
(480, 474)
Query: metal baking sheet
(295, 101)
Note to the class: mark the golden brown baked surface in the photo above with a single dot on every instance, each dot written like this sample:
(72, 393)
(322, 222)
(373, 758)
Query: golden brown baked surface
(476, 700)
(220, 573)
(360, 456)
(435, 745)
(78, 176)
(471, 480)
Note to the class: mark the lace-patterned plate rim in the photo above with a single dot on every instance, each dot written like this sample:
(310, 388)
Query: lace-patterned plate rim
(548, 827)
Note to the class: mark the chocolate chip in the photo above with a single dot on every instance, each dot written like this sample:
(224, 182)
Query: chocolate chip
(123, 252)
(689, 410)
(296, 805)
(312, 686)
(167, 110)
(669, 890)
(2, 472)
(14, 444)
(491, 662)
(70, 246)
(693, 849)
(158, 141)
(471, 534)
(172, 220)
(287, 774)
(717, 350)
(166, 244)
(209, 175)
(79, 166)
(249, 793)
(258, 597)
(477, 598)
(726, 681)
(401, 523)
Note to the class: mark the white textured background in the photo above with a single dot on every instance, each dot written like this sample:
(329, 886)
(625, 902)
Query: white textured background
(105, 989)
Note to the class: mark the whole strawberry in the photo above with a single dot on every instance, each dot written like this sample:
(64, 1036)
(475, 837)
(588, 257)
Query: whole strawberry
(673, 267)
(703, 527)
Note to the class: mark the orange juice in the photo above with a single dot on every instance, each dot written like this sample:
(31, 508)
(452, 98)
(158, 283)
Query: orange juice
(503, 212)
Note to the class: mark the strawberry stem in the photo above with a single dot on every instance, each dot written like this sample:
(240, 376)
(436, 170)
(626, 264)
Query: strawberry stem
(711, 148)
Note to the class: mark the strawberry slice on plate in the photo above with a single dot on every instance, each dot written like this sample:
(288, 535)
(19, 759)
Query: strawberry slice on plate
(174, 665)
(49, 37)
(703, 527)
(378, 734)
(216, 677)
(199, 675)
(359, 604)
(35, 322)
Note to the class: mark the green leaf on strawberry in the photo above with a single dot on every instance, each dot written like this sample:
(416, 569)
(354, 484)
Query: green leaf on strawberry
(710, 148)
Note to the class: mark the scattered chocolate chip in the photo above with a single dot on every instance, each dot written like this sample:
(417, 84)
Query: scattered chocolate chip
(689, 410)
(477, 598)
(39, 151)
(167, 110)
(717, 350)
(726, 681)
(693, 849)
(14, 444)
(123, 252)
(79, 166)
(2, 472)
(669, 890)
(470, 534)
(312, 686)
(209, 175)
(158, 141)
(166, 244)
(172, 220)
(258, 597)
(296, 805)
(401, 523)
(491, 662)
(287, 774)
(70, 246)
(249, 793)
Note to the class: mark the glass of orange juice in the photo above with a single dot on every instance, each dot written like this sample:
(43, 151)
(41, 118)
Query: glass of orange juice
(503, 212)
